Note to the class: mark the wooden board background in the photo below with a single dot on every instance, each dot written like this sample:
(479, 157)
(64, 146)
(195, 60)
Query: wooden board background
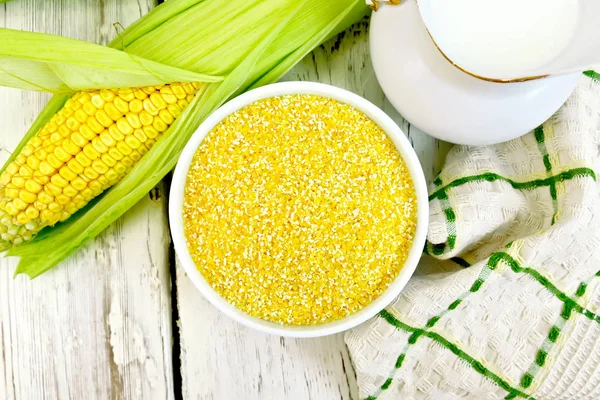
(108, 323)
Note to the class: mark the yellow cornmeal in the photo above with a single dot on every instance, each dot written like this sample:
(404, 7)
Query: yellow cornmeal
(299, 210)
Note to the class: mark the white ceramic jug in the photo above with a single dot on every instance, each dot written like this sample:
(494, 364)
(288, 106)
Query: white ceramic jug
(440, 81)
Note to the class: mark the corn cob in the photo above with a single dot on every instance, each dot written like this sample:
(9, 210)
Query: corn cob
(88, 146)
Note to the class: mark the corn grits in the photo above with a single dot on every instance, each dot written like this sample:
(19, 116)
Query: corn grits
(299, 210)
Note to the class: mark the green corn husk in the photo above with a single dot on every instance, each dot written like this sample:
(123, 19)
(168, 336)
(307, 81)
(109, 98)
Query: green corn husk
(232, 45)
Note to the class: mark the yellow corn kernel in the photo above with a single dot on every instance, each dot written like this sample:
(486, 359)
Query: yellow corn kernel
(64, 131)
(122, 106)
(84, 97)
(55, 207)
(12, 168)
(66, 173)
(132, 142)
(79, 140)
(62, 154)
(26, 196)
(59, 119)
(103, 118)
(159, 125)
(168, 95)
(53, 162)
(107, 139)
(75, 166)
(182, 103)
(52, 189)
(139, 94)
(25, 171)
(41, 154)
(178, 90)
(189, 98)
(108, 160)
(112, 176)
(96, 187)
(87, 132)
(102, 180)
(33, 162)
(158, 101)
(40, 178)
(112, 111)
(81, 116)
(126, 94)
(90, 152)
(70, 191)
(87, 194)
(79, 200)
(18, 181)
(140, 135)
(32, 186)
(22, 218)
(115, 133)
(90, 173)
(94, 125)
(166, 117)
(148, 89)
(12, 193)
(27, 151)
(174, 110)
(79, 184)
(70, 208)
(142, 149)
(45, 198)
(32, 212)
(135, 156)
(123, 148)
(71, 147)
(66, 111)
(150, 132)
(150, 107)
(136, 106)
(100, 167)
(89, 108)
(145, 118)
(124, 127)
(73, 124)
(5, 178)
(107, 95)
(114, 153)
(63, 199)
(19, 204)
(134, 120)
(11, 209)
(56, 138)
(127, 161)
(188, 87)
(98, 145)
(59, 181)
(51, 127)
(46, 168)
(83, 159)
(120, 168)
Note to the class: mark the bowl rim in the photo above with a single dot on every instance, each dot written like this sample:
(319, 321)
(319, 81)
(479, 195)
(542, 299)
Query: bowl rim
(403, 146)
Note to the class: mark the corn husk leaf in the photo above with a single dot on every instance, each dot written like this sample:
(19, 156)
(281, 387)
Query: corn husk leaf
(56, 64)
(289, 30)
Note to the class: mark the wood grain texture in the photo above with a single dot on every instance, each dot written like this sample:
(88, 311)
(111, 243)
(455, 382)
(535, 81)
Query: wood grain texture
(221, 359)
(99, 325)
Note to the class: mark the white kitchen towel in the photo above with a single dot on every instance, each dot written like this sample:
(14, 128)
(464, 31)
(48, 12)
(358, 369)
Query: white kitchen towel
(507, 302)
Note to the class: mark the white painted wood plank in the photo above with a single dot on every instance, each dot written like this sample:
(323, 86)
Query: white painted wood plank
(99, 325)
(221, 359)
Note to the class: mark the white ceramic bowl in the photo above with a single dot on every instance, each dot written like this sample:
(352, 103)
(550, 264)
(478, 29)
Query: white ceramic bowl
(279, 89)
